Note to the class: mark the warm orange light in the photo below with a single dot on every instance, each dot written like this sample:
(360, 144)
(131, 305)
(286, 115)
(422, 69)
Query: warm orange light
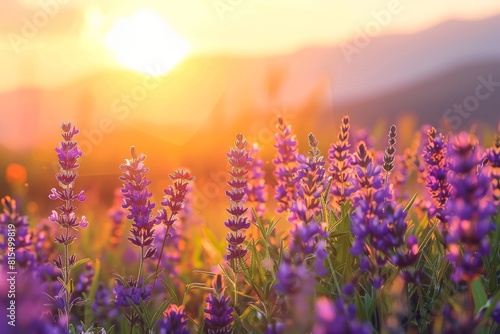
(16, 174)
(144, 42)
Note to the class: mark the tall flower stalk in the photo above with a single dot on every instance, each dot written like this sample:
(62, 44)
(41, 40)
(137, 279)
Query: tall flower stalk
(435, 157)
(469, 212)
(137, 200)
(310, 184)
(238, 158)
(340, 165)
(219, 313)
(173, 203)
(493, 156)
(65, 216)
(256, 189)
(286, 165)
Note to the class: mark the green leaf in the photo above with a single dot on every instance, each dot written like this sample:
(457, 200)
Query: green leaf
(159, 311)
(78, 263)
(410, 203)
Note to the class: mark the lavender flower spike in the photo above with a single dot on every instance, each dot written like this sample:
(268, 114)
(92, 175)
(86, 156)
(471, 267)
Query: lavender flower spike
(68, 155)
(470, 215)
(239, 159)
(286, 165)
(219, 313)
(256, 189)
(436, 178)
(175, 321)
(493, 156)
(340, 165)
(137, 201)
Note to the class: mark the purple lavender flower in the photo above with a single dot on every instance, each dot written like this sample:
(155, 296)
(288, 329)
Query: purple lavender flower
(436, 177)
(137, 201)
(68, 155)
(307, 242)
(84, 280)
(310, 183)
(219, 313)
(276, 328)
(496, 313)
(175, 321)
(17, 238)
(340, 165)
(378, 224)
(256, 190)
(173, 203)
(134, 291)
(286, 165)
(469, 214)
(103, 306)
(337, 318)
(493, 156)
(239, 159)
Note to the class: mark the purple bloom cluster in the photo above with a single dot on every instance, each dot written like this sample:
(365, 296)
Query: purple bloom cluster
(174, 321)
(137, 201)
(378, 223)
(493, 156)
(68, 155)
(469, 215)
(133, 291)
(256, 190)
(337, 318)
(238, 158)
(310, 183)
(286, 165)
(305, 261)
(219, 313)
(340, 165)
(174, 198)
(436, 177)
(17, 237)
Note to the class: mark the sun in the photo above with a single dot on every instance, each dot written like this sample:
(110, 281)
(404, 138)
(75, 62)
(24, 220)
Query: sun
(145, 43)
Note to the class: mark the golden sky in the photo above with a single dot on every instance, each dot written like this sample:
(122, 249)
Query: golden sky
(69, 38)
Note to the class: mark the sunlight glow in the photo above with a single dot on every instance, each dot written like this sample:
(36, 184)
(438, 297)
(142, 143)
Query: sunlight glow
(144, 42)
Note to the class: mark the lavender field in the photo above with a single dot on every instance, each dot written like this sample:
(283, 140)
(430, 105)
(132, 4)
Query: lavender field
(373, 241)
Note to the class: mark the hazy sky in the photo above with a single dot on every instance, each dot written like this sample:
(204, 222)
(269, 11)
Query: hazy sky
(71, 41)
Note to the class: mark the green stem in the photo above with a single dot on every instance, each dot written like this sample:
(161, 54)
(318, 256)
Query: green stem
(159, 258)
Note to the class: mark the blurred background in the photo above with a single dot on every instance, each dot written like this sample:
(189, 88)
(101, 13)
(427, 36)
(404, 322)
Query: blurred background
(179, 79)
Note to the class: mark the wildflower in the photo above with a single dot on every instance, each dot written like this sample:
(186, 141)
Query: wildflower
(137, 200)
(219, 313)
(174, 321)
(133, 292)
(12, 221)
(85, 279)
(436, 177)
(337, 318)
(173, 203)
(469, 214)
(286, 165)
(340, 165)
(309, 181)
(493, 156)
(390, 152)
(68, 155)
(256, 190)
(239, 159)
